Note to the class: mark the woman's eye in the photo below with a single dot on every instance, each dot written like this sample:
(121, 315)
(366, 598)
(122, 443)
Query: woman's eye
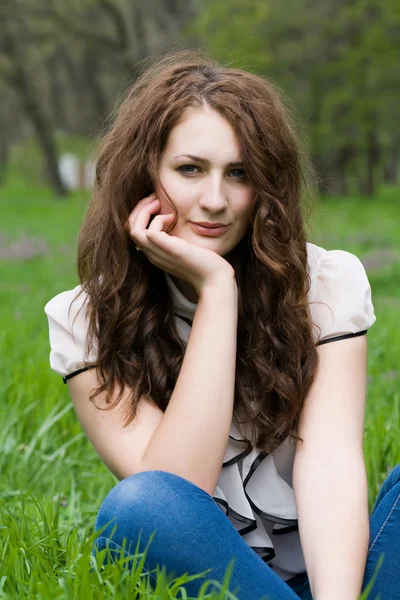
(238, 173)
(183, 167)
(241, 171)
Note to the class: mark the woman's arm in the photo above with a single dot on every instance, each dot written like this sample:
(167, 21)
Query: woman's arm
(192, 436)
(329, 476)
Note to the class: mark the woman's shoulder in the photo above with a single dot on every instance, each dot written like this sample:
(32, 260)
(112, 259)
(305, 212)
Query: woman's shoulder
(340, 293)
(73, 298)
(318, 257)
(67, 315)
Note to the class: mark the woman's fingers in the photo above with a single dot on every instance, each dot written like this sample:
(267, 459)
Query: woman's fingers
(139, 219)
(159, 222)
(157, 227)
(139, 207)
(143, 216)
(143, 234)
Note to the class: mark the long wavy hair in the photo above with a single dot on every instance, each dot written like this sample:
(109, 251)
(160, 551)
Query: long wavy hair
(131, 316)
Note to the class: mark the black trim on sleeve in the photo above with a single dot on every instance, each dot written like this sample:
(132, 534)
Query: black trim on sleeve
(342, 337)
(77, 372)
(186, 319)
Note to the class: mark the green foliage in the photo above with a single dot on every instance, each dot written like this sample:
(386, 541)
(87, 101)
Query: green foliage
(337, 61)
(233, 32)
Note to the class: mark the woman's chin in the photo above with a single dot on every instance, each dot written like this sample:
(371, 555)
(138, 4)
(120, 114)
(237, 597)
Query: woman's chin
(210, 244)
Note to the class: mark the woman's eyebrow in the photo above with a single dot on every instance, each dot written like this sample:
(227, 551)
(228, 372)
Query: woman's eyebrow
(205, 161)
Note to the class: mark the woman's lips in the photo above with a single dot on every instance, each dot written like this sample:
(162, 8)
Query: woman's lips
(209, 231)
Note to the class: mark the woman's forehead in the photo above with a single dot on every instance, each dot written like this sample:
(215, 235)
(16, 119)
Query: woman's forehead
(204, 134)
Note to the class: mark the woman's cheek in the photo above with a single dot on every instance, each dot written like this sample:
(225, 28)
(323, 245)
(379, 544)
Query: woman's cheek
(170, 185)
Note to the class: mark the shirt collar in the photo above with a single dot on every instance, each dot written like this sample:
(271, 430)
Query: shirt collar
(182, 306)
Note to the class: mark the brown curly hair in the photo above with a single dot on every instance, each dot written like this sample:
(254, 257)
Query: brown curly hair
(131, 314)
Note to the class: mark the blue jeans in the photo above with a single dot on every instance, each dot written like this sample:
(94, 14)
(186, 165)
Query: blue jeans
(193, 535)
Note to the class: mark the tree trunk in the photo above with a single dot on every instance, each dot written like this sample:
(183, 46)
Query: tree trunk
(57, 93)
(368, 184)
(43, 132)
(4, 156)
(391, 168)
(333, 171)
(99, 100)
(78, 86)
(320, 164)
(19, 79)
(343, 158)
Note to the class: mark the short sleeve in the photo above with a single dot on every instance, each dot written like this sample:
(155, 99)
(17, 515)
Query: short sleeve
(340, 295)
(67, 333)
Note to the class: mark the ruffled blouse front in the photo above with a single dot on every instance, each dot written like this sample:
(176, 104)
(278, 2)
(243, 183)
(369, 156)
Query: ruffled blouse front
(254, 489)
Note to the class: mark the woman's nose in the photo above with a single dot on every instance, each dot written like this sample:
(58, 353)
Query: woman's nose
(214, 197)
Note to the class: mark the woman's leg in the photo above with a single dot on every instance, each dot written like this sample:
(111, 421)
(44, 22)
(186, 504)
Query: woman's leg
(192, 535)
(385, 539)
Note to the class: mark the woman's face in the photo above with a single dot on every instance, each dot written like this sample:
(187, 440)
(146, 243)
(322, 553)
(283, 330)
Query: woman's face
(201, 170)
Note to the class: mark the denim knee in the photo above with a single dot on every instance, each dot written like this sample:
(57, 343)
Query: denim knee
(146, 498)
(394, 476)
(391, 480)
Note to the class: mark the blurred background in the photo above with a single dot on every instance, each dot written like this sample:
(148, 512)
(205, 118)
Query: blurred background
(63, 69)
(63, 65)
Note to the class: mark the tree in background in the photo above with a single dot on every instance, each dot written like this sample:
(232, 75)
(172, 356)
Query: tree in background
(337, 61)
(64, 64)
(20, 70)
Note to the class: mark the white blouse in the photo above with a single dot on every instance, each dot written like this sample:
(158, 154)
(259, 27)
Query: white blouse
(254, 489)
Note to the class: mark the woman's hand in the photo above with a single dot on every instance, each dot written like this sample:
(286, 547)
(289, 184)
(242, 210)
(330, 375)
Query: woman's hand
(198, 266)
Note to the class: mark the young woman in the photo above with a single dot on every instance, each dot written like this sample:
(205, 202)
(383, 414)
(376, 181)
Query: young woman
(215, 358)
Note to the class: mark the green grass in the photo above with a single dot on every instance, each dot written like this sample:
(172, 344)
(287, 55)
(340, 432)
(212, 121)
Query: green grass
(52, 481)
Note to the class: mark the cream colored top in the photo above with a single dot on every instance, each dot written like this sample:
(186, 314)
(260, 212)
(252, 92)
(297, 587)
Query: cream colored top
(254, 490)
